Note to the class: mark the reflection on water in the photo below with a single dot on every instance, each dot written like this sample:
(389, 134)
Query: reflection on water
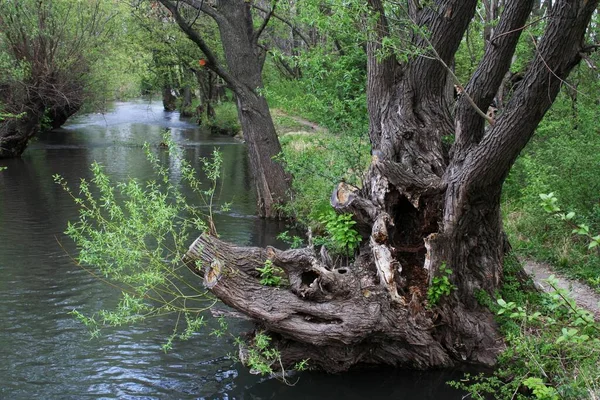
(46, 354)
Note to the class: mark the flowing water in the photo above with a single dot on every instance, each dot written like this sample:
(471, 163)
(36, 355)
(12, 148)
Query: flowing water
(46, 354)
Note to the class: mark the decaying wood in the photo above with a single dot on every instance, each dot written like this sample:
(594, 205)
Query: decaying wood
(325, 313)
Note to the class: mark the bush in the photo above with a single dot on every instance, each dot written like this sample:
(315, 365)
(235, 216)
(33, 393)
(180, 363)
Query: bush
(134, 234)
(552, 346)
(318, 163)
(226, 120)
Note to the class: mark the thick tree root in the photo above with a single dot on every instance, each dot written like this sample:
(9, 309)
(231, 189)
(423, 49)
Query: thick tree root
(344, 316)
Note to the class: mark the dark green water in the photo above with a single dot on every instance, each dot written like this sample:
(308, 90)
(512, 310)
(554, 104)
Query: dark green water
(46, 354)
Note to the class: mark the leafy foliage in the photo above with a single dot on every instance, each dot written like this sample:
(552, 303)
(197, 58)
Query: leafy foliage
(342, 238)
(66, 53)
(550, 205)
(264, 359)
(270, 275)
(225, 120)
(553, 346)
(133, 235)
(317, 163)
(563, 160)
(440, 286)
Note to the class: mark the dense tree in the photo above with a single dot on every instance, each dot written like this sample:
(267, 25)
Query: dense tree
(430, 202)
(242, 72)
(57, 56)
(46, 50)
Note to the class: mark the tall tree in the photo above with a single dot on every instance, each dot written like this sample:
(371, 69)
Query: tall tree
(242, 72)
(425, 208)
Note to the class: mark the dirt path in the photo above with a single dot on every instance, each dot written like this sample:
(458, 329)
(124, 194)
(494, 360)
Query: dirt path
(584, 296)
(309, 126)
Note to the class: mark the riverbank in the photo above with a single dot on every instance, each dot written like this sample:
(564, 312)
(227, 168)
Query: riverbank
(537, 328)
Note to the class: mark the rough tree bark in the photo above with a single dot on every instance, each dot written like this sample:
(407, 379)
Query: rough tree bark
(244, 60)
(16, 132)
(422, 204)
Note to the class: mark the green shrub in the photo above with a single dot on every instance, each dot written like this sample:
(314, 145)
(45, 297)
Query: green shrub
(317, 164)
(552, 346)
(341, 236)
(270, 275)
(134, 234)
(563, 159)
(440, 286)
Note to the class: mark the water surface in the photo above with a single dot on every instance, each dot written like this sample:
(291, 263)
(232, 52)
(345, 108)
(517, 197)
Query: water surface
(46, 354)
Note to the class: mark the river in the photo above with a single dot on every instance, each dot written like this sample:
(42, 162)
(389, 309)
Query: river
(46, 354)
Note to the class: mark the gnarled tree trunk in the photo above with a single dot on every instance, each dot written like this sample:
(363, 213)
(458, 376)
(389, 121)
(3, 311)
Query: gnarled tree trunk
(422, 205)
(245, 61)
(15, 134)
(169, 99)
(59, 114)
(26, 113)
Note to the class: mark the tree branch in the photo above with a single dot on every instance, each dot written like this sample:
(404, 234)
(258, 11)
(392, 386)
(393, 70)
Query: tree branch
(285, 21)
(557, 54)
(265, 22)
(487, 78)
(213, 63)
(206, 8)
(446, 24)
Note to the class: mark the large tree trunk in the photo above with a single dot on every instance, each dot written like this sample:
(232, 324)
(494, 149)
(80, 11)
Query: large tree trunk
(17, 131)
(422, 206)
(186, 102)
(244, 59)
(61, 113)
(270, 179)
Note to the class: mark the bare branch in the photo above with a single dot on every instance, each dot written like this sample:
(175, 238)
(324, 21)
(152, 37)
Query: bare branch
(287, 22)
(265, 22)
(213, 63)
(493, 40)
(205, 7)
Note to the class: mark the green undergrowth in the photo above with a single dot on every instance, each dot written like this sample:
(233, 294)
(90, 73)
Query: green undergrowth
(285, 124)
(336, 103)
(225, 120)
(552, 346)
(317, 164)
(563, 158)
